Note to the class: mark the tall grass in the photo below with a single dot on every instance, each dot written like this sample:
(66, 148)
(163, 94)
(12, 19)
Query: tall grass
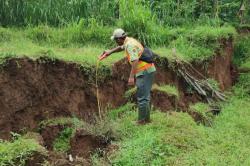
(61, 12)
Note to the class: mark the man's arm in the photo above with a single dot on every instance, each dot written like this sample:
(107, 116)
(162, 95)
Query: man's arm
(109, 52)
(113, 50)
(131, 80)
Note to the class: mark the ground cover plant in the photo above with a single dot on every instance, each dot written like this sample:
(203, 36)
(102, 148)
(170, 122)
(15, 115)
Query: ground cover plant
(175, 139)
(18, 151)
(196, 44)
(65, 32)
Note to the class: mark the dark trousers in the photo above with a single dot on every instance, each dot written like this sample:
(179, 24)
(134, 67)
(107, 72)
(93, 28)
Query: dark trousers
(144, 84)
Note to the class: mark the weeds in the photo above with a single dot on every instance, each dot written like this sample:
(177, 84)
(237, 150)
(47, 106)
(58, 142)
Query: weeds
(168, 89)
(204, 112)
(242, 51)
(62, 143)
(18, 151)
(171, 13)
(177, 140)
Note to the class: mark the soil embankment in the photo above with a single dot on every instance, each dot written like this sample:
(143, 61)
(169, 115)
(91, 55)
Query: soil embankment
(33, 91)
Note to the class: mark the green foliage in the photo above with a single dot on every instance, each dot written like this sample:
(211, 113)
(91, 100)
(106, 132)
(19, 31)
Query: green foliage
(5, 34)
(171, 13)
(213, 83)
(234, 116)
(204, 113)
(5, 56)
(201, 42)
(17, 152)
(174, 13)
(191, 44)
(62, 143)
(118, 112)
(60, 12)
(241, 50)
(103, 128)
(61, 121)
(71, 35)
(130, 93)
(168, 89)
(177, 140)
(138, 20)
(243, 86)
(246, 64)
(145, 145)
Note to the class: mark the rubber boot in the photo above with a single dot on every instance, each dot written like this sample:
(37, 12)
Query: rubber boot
(148, 110)
(142, 113)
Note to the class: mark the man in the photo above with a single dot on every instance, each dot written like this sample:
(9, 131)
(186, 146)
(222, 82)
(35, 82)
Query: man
(143, 71)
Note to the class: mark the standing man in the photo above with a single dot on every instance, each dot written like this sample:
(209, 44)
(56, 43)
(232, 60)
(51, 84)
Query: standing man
(142, 72)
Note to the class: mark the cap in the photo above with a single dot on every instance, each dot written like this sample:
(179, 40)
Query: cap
(118, 33)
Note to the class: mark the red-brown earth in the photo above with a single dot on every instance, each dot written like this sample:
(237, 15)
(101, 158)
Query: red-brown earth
(35, 90)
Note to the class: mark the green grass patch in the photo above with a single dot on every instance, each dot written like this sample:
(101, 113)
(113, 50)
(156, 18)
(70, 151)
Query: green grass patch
(246, 64)
(56, 121)
(118, 112)
(83, 44)
(62, 143)
(175, 139)
(168, 89)
(130, 93)
(204, 112)
(200, 108)
(242, 51)
(243, 86)
(18, 151)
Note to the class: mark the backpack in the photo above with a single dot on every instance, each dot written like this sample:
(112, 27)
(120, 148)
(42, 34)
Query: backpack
(148, 55)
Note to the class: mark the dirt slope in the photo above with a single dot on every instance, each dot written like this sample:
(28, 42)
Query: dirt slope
(32, 91)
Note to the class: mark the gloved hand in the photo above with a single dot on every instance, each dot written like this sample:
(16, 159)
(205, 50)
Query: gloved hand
(103, 55)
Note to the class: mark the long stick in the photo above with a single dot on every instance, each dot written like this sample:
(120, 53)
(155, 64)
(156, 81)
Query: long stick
(97, 89)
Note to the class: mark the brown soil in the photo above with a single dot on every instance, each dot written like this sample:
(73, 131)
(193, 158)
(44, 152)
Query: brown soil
(59, 159)
(83, 144)
(32, 91)
(37, 159)
(163, 101)
(49, 134)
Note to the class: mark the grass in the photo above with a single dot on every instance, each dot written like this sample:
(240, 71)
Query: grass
(204, 112)
(61, 121)
(117, 113)
(25, 13)
(200, 108)
(18, 151)
(175, 139)
(62, 143)
(168, 89)
(101, 128)
(80, 44)
(242, 51)
(24, 47)
(130, 93)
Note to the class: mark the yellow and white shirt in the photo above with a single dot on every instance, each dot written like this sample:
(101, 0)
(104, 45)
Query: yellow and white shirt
(133, 51)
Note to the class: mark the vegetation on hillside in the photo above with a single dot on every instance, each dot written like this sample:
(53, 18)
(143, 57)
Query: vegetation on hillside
(79, 31)
(175, 139)
(108, 12)
(18, 151)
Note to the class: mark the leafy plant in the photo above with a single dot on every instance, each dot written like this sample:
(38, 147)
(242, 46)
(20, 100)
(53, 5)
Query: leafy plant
(62, 143)
(168, 89)
(18, 151)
